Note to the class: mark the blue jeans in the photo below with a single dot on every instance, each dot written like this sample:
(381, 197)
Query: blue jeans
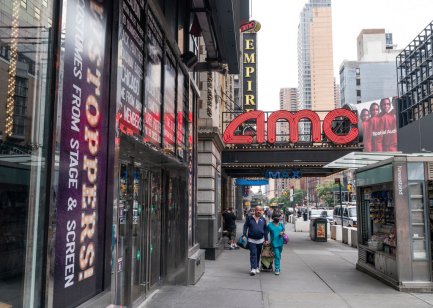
(277, 256)
(255, 251)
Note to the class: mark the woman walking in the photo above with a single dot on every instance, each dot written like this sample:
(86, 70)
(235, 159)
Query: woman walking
(276, 230)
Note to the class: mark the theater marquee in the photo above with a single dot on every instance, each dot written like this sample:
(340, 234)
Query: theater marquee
(293, 118)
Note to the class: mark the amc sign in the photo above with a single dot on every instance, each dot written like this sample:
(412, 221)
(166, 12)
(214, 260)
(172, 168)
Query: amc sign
(293, 118)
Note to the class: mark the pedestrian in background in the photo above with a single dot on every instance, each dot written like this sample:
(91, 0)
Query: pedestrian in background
(276, 230)
(230, 226)
(255, 228)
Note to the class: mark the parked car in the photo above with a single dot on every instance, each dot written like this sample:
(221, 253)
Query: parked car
(315, 213)
(349, 216)
(329, 215)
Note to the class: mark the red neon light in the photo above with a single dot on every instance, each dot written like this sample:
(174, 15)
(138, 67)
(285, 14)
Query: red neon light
(293, 118)
(229, 134)
(340, 139)
(248, 26)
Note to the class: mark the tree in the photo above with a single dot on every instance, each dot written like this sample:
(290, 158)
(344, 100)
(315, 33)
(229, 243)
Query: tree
(298, 196)
(325, 192)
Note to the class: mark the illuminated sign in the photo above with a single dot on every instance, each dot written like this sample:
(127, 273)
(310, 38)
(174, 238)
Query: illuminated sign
(293, 118)
(283, 174)
(249, 71)
(252, 26)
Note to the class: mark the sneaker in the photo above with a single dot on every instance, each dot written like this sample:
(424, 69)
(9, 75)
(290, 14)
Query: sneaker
(277, 272)
(257, 270)
(253, 272)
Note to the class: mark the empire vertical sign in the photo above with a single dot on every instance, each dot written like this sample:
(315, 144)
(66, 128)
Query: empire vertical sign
(249, 65)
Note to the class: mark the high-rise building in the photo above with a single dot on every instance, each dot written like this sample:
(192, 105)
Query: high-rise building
(337, 97)
(288, 101)
(373, 75)
(315, 57)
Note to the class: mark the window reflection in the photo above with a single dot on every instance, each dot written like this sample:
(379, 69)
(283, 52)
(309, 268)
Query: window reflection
(24, 77)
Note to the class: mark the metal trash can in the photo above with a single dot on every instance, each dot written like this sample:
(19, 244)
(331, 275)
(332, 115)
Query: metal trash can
(319, 229)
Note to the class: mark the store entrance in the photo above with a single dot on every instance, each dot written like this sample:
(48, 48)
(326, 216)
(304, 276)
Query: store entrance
(139, 225)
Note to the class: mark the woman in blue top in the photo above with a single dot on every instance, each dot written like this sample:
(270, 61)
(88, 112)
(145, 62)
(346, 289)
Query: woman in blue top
(276, 230)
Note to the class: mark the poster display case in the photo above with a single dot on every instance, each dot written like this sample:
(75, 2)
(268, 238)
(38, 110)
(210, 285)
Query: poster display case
(394, 237)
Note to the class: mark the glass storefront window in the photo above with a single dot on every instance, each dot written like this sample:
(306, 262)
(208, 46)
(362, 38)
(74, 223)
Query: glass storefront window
(25, 78)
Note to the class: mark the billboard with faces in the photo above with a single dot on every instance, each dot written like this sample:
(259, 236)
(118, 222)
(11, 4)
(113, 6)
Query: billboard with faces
(378, 124)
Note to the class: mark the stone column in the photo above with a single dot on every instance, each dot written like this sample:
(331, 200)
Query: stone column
(209, 229)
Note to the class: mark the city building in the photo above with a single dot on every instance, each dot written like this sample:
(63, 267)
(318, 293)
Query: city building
(288, 101)
(98, 145)
(373, 75)
(415, 89)
(215, 189)
(337, 95)
(315, 57)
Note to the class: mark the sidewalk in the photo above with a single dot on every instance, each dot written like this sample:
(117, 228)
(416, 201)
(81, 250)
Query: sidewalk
(312, 275)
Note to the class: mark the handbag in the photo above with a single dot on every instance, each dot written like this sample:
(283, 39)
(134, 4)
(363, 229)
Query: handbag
(243, 243)
(285, 238)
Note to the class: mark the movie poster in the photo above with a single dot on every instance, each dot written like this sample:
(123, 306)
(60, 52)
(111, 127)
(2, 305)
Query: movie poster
(378, 125)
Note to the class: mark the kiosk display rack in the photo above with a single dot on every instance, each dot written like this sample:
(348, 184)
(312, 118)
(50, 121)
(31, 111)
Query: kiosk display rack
(394, 237)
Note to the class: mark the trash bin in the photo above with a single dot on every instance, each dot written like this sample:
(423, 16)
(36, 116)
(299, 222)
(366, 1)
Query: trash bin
(318, 229)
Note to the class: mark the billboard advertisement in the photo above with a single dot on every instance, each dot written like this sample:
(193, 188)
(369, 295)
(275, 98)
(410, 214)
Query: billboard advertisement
(378, 125)
(81, 196)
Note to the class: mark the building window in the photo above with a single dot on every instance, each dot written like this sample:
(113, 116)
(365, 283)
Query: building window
(20, 106)
(358, 71)
(358, 93)
(358, 82)
(37, 13)
(24, 201)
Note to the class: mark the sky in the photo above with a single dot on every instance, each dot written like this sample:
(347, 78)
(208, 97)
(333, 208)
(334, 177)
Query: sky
(277, 39)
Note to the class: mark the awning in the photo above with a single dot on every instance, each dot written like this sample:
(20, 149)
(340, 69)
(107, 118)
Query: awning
(357, 160)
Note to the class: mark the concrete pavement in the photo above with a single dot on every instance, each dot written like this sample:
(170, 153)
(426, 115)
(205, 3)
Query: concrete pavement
(313, 274)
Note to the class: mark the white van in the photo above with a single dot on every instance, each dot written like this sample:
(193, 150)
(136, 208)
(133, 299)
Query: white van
(349, 216)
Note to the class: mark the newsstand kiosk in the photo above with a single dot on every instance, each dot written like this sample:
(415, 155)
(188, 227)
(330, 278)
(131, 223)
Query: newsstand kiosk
(395, 221)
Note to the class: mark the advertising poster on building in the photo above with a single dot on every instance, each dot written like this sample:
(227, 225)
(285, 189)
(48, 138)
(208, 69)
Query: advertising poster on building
(153, 97)
(81, 195)
(131, 67)
(249, 70)
(169, 100)
(181, 117)
(378, 125)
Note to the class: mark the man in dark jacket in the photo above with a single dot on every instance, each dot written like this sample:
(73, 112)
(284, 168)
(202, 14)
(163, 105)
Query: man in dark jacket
(230, 226)
(255, 225)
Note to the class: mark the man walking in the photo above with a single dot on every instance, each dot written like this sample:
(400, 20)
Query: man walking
(230, 226)
(255, 225)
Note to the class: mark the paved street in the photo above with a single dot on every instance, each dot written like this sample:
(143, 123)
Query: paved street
(312, 275)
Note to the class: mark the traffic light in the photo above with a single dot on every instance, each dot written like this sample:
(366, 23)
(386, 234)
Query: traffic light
(349, 187)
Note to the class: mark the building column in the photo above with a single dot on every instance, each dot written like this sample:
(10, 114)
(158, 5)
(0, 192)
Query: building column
(239, 202)
(209, 192)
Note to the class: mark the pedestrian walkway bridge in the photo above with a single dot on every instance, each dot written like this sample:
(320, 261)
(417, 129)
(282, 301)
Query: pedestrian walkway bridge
(313, 274)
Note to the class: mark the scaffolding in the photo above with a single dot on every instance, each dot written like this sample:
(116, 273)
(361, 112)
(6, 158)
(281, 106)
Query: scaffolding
(415, 78)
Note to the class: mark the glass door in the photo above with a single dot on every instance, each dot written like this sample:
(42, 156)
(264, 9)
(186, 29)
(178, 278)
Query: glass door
(140, 233)
(155, 219)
